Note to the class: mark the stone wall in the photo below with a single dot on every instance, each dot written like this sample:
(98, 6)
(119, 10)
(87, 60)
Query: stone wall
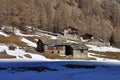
(70, 36)
(79, 54)
(55, 51)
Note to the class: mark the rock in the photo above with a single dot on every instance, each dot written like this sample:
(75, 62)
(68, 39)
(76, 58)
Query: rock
(12, 47)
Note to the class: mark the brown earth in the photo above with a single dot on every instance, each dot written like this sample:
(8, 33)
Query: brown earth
(12, 40)
(6, 56)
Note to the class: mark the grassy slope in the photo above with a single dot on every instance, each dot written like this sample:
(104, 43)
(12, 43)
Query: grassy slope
(16, 40)
(110, 55)
(5, 56)
(12, 40)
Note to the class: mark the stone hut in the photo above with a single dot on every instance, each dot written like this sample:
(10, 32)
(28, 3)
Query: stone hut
(79, 50)
(51, 46)
(70, 33)
(62, 48)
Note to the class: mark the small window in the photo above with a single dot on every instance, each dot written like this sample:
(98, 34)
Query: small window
(52, 51)
(81, 50)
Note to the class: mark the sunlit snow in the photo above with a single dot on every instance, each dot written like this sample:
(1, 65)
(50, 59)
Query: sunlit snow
(28, 42)
(2, 33)
(103, 49)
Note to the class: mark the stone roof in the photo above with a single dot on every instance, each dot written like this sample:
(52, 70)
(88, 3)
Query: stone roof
(78, 46)
(55, 42)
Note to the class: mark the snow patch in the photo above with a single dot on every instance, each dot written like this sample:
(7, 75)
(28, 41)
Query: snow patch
(101, 59)
(103, 49)
(70, 41)
(29, 27)
(3, 48)
(17, 32)
(83, 39)
(53, 37)
(20, 54)
(2, 33)
(29, 43)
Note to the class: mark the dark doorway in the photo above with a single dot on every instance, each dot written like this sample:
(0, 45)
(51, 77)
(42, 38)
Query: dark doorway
(68, 50)
(40, 46)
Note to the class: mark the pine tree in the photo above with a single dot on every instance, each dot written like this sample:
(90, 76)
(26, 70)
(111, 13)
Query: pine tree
(111, 40)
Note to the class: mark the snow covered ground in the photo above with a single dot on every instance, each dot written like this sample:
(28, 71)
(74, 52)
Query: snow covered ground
(2, 33)
(100, 59)
(103, 49)
(20, 55)
(28, 42)
(18, 32)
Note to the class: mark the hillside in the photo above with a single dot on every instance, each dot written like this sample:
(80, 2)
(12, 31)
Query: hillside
(100, 18)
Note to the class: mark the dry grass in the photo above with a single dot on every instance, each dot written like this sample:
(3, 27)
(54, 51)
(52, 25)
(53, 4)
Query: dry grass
(52, 56)
(45, 37)
(57, 56)
(12, 40)
(16, 40)
(4, 56)
(110, 55)
(83, 58)
(48, 55)
(32, 38)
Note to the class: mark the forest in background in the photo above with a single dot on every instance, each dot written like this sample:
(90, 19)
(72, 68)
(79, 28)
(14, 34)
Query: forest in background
(100, 18)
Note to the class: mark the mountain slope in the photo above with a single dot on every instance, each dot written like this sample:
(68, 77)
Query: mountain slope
(100, 18)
